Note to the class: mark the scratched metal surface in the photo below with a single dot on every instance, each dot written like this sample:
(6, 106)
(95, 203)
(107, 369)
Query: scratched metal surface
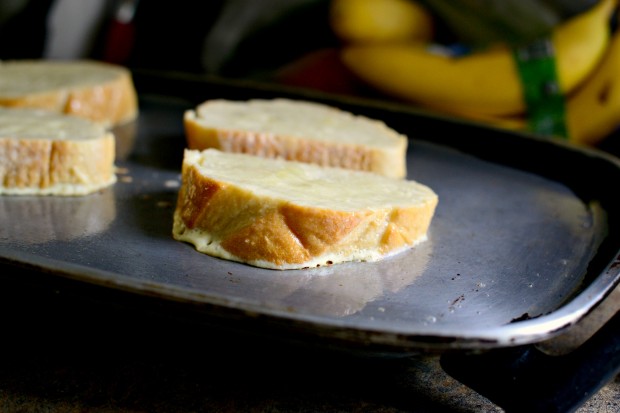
(506, 262)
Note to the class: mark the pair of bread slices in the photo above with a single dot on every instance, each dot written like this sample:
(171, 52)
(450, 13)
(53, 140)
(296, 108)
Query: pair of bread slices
(287, 184)
(55, 121)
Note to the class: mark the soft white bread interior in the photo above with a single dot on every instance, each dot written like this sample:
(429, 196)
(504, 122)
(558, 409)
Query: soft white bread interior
(46, 153)
(98, 91)
(281, 214)
(297, 130)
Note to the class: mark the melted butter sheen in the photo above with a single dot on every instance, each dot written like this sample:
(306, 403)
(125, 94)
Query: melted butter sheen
(38, 124)
(307, 184)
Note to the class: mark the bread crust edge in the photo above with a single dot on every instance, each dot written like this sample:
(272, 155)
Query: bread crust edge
(389, 162)
(56, 167)
(109, 104)
(231, 223)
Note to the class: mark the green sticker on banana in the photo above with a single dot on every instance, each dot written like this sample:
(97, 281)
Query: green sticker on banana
(545, 103)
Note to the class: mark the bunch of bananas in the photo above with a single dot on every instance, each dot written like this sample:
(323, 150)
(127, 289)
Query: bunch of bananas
(389, 44)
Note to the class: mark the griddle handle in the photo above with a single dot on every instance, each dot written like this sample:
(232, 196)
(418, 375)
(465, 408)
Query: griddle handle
(524, 379)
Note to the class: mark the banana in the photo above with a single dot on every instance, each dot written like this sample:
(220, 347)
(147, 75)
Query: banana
(373, 21)
(484, 82)
(593, 110)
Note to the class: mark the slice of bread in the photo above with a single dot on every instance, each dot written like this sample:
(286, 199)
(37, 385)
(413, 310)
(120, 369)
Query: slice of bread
(98, 91)
(46, 153)
(299, 131)
(280, 214)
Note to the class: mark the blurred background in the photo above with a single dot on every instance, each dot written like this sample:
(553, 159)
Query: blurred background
(547, 67)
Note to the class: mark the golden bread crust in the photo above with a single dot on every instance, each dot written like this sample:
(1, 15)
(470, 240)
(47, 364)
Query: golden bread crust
(236, 223)
(45, 153)
(110, 104)
(49, 167)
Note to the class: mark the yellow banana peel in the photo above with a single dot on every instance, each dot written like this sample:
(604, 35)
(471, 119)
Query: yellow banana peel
(380, 21)
(484, 82)
(593, 110)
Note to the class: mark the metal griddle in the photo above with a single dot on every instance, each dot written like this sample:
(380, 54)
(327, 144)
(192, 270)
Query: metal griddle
(524, 242)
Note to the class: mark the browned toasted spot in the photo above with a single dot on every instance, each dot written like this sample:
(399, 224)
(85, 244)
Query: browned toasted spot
(317, 229)
(393, 238)
(24, 164)
(200, 138)
(267, 238)
(113, 102)
(68, 165)
(405, 226)
(196, 194)
(53, 101)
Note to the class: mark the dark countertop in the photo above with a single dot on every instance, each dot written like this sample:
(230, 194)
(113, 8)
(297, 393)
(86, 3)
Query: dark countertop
(73, 349)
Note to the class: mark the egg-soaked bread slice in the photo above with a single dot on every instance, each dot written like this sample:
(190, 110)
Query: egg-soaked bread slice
(98, 91)
(281, 214)
(46, 153)
(297, 130)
